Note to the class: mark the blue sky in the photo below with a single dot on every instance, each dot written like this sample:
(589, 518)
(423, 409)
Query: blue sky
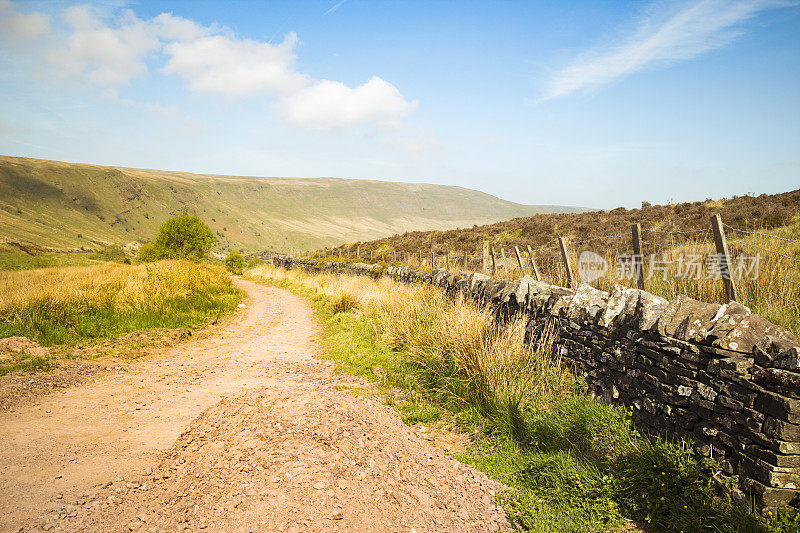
(581, 103)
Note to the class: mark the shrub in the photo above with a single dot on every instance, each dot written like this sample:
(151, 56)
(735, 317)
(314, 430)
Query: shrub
(184, 237)
(111, 252)
(234, 262)
(147, 254)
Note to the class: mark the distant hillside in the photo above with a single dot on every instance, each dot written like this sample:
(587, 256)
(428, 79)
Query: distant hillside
(68, 205)
(764, 211)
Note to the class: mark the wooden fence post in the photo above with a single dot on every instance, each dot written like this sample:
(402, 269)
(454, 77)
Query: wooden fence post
(636, 234)
(505, 261)
(723, 257)
(420, 258)
(535, 270)
(447, 261)
(485, 263)
(519, 260)
(494, 261)
(358, 252)
(466, 261)
(562, 242)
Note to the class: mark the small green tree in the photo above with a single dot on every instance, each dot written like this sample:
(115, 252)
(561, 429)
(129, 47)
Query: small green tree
(184, 237)
(147, 254)
(234, 262)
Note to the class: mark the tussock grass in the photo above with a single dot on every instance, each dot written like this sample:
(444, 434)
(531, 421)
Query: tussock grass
(574, 464)
(67, 305)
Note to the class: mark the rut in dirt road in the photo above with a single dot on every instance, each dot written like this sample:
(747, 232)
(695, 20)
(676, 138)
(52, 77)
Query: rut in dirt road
(270, 445)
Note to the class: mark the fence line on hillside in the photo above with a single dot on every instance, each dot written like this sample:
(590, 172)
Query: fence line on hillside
(666, 262)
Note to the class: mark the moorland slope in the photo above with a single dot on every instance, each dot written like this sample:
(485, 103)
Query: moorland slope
(69, 205)
(750, 212)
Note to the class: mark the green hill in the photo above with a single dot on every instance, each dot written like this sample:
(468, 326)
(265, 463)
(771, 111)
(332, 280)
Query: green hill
(69, 205)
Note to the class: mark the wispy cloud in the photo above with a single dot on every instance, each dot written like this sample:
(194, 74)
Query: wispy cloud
(335, 7)
(662, 37)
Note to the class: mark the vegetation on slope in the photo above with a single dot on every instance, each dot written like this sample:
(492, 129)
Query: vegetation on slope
(66, 205)
(74, 304)
(765, 266)
(574, 464)
(747, 212)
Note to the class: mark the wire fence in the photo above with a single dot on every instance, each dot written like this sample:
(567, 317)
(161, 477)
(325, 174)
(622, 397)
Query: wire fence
(756, 268)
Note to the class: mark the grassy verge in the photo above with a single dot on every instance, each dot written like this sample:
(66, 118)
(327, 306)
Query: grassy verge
(574, 464)
(14, 259)
(75, 304)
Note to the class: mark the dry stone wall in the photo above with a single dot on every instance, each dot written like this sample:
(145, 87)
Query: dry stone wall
(719, 376)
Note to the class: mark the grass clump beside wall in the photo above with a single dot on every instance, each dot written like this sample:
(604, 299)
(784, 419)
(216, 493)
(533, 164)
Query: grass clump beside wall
(574, 464)
(69, 305)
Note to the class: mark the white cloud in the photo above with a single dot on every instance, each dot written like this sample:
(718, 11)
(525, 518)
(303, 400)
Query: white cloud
(336, 6)
(661, 38)
(101, 54)
(328, 105)
(106, 51)
(234, 67)
(110, 53)
(172, 28)
(16, 27)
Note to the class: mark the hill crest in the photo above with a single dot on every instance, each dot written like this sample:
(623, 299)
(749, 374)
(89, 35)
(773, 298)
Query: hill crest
(72, 205)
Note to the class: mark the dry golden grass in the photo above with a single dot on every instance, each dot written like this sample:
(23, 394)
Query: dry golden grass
(115, 286)
(64, 305)
(457, 344)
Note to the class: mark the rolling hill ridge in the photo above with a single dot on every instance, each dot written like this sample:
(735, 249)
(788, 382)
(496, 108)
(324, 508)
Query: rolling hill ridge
(70, 205)
(752, 212)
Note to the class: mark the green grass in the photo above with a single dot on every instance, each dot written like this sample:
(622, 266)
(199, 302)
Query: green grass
(69, 306)
(13, 259)
(30, 364)
(195, 310)
(573, 463)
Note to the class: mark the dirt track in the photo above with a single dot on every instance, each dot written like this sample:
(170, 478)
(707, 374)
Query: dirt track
(239, 431)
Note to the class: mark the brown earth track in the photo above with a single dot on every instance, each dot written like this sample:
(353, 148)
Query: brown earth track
(270, 445)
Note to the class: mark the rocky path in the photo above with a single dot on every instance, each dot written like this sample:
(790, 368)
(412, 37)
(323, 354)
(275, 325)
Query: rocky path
(240, 431)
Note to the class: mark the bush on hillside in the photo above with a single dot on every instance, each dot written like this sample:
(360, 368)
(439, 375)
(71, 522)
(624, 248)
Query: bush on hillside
(181, 237)
(234, 262)
(184, 237)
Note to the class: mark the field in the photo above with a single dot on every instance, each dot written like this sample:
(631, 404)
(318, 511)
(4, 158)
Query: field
(574, 464)
(69, 206)
(72, 305)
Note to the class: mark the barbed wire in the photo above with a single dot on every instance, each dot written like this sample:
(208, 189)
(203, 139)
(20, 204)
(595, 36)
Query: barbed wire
(676, 232)
(598, 239)
(765, 250)
(762, 234)
(786, 279)
(546, 248)
(792, 302)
